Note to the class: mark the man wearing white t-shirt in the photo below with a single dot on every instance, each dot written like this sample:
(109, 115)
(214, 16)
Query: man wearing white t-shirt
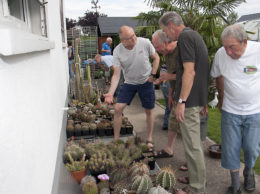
(132, 55)
(236, 69)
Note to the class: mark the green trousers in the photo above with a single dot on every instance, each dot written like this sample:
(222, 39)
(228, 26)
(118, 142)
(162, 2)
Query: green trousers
(190, 130)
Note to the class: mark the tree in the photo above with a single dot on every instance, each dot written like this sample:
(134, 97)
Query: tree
(70, 23)
(232, 18)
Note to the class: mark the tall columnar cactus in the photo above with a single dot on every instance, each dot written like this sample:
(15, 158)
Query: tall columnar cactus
(90, 188)
(138, 168)
(142, 183)
(158, 190)
(166, 178)
(74, 150)
(117, 175)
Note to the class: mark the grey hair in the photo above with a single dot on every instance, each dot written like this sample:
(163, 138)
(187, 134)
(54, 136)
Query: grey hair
(109, 38)
(236, 31)
(162, 37)
(171, 16)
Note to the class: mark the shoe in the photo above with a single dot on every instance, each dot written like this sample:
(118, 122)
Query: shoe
(162, 154)
(249, 179)
(232, 191)
(165, 128)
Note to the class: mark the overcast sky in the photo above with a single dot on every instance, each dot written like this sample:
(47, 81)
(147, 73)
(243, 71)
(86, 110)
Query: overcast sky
(76, 8)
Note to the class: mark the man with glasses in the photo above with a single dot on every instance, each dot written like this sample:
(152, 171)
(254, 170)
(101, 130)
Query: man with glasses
(236, 69)
(132, 55)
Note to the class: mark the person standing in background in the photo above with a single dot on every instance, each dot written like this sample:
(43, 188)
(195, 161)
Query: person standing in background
(106, 47)
(70, 59)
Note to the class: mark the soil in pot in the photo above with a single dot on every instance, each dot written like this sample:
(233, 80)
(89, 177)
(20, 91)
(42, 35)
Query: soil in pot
(78, 175)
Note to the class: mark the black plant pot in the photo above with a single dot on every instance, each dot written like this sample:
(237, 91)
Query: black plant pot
(102, 98)
(92, 132)
(151, 164)
(109, 131)
(69, 133)
(101, 132)
(85, 132)
(129, 129)
(78, 133)
(123, 131)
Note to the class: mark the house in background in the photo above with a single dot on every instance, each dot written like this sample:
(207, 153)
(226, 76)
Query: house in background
(251, 23)
(109, 27)
(34, 82)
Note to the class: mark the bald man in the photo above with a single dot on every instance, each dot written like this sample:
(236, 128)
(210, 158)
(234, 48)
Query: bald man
(132, 55)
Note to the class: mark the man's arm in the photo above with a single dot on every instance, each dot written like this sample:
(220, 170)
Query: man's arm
(220, 87)
(114, 83)
(156, 61)
(187, 83)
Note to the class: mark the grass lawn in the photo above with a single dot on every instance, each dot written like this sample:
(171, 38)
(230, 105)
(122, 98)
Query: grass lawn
(214, 131)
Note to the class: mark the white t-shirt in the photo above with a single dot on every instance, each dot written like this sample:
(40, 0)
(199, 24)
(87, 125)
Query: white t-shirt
(135, 63)
(241, 79)
(107, 60)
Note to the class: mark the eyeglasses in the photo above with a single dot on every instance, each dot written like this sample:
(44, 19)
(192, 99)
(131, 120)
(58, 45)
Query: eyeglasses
(131, 37)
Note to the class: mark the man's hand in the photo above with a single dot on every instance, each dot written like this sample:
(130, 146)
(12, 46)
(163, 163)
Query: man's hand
(150, 79)
(108, 51)
(170, 103)
(179, 112)
(204, 110)
(109, 98)
(157, 81)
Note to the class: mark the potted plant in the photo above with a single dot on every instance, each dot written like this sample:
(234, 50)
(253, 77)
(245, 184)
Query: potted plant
(85, 129)
(78, 130)
(70, 128)
(92, 129)
(77, 168)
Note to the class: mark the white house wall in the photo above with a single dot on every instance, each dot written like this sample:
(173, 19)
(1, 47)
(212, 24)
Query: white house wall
(33, 90)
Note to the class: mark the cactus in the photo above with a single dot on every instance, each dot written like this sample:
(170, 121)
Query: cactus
(103, 184)
(135, 152)
(120, 187)
(144, 147)
(92, 126)
(74, 150)
(118, 174)
(141, 183)
(99, 162)
(87, 179)
(158, 190)
(104, 191)
(76, 165)
(90, 188)
(166, 178)
(138, 168)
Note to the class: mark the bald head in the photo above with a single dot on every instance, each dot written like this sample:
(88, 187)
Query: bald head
(127, 37)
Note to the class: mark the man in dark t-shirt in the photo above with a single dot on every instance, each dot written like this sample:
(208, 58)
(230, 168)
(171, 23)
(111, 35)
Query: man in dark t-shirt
(191, 93)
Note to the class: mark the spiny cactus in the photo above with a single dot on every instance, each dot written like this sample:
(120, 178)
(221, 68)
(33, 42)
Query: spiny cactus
(104, 191)
(121, 186)
(74, 150)
(118, 174)
(166, 178)
(141, 183)
(158, 190)
(138, 168)
(87, 179)
(90, 188)
(76, 165)
(99, 162)
(135, 152)
(103, 184)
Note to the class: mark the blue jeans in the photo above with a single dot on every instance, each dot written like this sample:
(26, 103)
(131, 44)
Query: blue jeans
(165, 90)
(239, 131)
(72, 75)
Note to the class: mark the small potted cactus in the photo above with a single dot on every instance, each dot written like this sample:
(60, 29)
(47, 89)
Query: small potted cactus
(158, 190)
(142, 183)
(70, 129)
(78, 130)
(85, 129)
(92, 129)
(90, 188)
(166, 178)
(74, 150)
(77, 168)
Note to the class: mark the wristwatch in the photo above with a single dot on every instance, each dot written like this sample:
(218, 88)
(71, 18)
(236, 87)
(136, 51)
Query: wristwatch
(181, 101)
(154, 75)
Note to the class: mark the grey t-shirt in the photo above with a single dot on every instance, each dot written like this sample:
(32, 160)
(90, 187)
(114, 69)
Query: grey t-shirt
(192, 48)
(135, 63)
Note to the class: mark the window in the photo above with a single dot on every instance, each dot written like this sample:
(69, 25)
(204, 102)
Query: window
(30, 13)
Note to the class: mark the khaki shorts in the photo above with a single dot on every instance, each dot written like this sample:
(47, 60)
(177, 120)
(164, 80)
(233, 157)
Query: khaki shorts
(173, 124)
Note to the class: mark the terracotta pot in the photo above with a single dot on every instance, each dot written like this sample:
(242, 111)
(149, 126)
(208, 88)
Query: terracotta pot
(78, 175)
